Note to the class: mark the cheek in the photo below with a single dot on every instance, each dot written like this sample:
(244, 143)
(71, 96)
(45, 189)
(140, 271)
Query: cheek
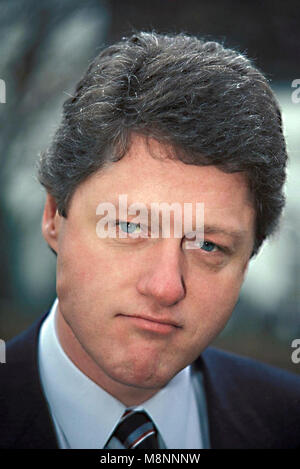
(215, 296)
(78, 273)
(88, 273)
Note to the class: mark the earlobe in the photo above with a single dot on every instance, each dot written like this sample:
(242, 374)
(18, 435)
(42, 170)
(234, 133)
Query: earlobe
(50, 222)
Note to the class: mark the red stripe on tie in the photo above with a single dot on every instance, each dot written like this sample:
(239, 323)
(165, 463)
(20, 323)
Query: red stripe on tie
(126, 414)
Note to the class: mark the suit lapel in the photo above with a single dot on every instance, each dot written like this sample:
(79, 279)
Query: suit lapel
(225, 420)
(26, 419)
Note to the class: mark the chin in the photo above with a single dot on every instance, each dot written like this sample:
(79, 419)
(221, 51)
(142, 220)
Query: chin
(142, 377)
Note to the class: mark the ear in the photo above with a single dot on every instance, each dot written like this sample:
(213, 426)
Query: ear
(51, 222)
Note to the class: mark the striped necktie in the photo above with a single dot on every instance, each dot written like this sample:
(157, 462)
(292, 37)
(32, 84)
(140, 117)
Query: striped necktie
(135, 431)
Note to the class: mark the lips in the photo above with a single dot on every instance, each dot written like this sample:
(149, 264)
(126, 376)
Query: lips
(152, 324)
(168, 322)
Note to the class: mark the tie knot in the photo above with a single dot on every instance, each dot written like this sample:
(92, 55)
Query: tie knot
(136, 430)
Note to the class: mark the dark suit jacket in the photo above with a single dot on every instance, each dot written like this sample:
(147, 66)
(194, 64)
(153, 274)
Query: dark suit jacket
(250, 405)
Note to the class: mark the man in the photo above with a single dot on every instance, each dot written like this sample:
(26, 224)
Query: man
(121, 360)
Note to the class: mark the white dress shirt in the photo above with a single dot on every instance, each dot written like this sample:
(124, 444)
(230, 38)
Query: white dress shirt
(85, 415)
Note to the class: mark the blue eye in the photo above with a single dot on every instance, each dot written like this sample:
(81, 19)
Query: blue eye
(128, 227)
(208, 246)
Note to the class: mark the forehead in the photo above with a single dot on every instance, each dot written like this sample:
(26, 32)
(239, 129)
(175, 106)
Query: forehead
(147, 175)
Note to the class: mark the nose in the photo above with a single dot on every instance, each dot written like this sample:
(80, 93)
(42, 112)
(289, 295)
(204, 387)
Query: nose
(162, 279)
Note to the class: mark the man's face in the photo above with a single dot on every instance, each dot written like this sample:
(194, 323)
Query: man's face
(106, 286)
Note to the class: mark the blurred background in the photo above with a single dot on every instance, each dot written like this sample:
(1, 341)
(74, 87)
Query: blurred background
(45, 47)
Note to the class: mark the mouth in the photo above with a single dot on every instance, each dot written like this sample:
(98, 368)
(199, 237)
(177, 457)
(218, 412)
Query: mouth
(162, 326)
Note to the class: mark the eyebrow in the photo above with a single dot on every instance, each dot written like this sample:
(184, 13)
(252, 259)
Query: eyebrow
(237, 235)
